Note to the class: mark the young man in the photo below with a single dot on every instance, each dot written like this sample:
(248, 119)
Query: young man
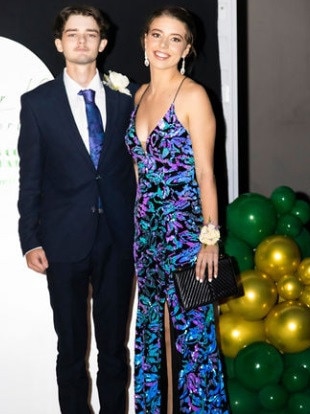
(76, 218)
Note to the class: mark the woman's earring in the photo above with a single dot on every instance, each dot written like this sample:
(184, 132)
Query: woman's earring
(146, 60)
(182, 70)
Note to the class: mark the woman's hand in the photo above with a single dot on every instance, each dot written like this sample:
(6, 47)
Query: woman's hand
(207, 262)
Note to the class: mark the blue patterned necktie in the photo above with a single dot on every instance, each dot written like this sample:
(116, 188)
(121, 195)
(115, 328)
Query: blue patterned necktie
(95, 127)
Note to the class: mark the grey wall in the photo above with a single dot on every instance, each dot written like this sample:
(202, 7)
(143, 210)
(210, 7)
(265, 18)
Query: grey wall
(279, 95)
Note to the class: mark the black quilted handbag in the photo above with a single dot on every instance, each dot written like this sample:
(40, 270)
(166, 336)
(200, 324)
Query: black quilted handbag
(193, 293)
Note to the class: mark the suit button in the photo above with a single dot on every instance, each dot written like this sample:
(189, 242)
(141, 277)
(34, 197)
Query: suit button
(98, 177)
(93, 209)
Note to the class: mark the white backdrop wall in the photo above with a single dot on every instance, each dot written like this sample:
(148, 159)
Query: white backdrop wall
(28, 342)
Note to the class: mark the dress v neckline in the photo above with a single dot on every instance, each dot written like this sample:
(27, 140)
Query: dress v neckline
(143, 143)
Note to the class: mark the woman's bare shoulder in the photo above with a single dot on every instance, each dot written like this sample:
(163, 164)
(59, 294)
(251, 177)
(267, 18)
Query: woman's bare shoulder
(193, 90)
(193, 97)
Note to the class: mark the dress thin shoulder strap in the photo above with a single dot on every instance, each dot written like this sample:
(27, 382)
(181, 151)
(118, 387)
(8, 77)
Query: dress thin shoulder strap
(141, 97)
(179, 87)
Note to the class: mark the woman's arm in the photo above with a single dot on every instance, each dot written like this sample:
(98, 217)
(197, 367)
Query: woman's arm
(201, 124)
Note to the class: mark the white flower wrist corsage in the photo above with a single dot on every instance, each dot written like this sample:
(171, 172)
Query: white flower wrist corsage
(117, 82)
(209, 234)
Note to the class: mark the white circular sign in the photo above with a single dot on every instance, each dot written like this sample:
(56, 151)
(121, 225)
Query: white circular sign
(20, 71)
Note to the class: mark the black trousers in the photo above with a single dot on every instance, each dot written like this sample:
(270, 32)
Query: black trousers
(109, 270)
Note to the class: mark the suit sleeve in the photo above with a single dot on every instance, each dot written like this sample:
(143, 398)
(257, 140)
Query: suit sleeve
(31, 165)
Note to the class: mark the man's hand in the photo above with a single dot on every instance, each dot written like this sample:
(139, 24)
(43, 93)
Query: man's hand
(36, 260)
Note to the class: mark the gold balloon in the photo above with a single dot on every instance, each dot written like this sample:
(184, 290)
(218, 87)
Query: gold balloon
(303, 271)
(287, 327)
(305, 296)
(224, 308)
(236, 333)
(260, 294)
(277, 255)
(289, 287)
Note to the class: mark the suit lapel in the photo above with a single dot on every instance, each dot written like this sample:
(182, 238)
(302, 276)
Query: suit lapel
(64, 116)
(111, 111)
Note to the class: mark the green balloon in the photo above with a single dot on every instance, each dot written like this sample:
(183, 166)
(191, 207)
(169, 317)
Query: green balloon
(273, 397)
(240, 398)
(303, 241)
(299, 403)
(251, 217)
(229, 367)
(301, 209)
(283, 198)
(296, 379)
(298, 359)
(241, 251)
(289, 225)
(257, 365)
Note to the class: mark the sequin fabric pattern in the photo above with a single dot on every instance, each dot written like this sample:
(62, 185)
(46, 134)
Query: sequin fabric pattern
(167, 221)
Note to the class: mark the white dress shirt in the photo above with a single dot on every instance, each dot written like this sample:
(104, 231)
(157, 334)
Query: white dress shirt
(77, 102)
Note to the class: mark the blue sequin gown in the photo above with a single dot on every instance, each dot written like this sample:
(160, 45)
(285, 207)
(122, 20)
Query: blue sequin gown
(168, 217)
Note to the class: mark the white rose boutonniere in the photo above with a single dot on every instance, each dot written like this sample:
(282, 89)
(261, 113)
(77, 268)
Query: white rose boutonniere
(117, 82)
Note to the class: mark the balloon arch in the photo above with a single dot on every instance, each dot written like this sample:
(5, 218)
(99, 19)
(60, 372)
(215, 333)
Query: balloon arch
(265, 334)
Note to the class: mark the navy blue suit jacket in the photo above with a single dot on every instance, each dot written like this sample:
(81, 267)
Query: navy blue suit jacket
(59, 185)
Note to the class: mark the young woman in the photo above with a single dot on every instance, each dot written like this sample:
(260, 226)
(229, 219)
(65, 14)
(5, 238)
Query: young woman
(171, 139)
